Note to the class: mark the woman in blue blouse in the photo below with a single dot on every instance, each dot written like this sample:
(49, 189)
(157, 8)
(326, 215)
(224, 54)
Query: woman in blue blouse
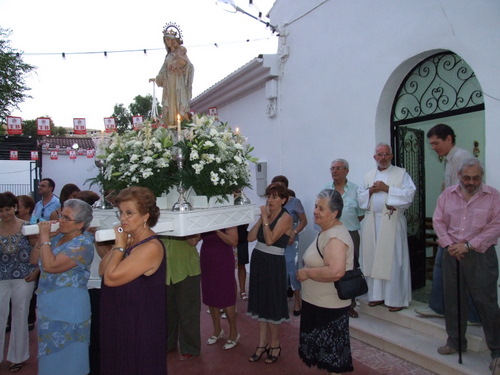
(63, 304)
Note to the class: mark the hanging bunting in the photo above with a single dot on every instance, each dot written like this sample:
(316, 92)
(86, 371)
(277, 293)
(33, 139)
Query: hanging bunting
(34, 155)
(212, 111)
(72, 154)
(90, 154)
(137, 122)
(79, 126)
(110, 124)
(54, 155)
(14, 155)
(43, 126)
(14, 125)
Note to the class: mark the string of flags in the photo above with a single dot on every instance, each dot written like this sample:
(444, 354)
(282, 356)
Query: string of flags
(54, 154)
(15, 127)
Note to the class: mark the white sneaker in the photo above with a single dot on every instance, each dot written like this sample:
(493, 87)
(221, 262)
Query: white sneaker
(230, 343)
(428, 313)
(213, 339)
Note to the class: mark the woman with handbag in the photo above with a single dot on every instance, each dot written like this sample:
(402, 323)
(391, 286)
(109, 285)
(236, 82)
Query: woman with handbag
(324, 324)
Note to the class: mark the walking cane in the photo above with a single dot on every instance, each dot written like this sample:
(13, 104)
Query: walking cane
(459, 315)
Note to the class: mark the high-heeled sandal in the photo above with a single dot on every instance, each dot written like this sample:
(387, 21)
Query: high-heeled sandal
(272, 358)
(255, 357)
(213, 339)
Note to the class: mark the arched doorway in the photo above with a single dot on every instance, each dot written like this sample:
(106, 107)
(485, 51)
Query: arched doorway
(440, 89)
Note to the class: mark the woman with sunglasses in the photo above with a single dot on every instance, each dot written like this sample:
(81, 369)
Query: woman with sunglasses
(133, 299)
(63, 303)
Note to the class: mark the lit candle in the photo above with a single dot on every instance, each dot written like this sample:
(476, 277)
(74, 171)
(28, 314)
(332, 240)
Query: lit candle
(237, 130)
(179, 125)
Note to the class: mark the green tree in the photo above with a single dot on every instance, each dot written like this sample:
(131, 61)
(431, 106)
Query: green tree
(13, 72)
(122, 117)
(30, 128)
(141, 106)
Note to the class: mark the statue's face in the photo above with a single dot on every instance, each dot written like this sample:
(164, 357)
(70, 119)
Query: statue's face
(175, 43)
(168, 42)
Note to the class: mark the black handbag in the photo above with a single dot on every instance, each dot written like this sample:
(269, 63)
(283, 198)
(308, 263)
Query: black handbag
(352, 284)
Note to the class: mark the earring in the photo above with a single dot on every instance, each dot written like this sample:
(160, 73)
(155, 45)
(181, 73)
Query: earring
(144, 225)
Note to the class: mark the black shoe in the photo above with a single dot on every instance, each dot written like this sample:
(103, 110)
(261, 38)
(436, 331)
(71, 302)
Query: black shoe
(255, 357)
(271, 358)
(297, 312)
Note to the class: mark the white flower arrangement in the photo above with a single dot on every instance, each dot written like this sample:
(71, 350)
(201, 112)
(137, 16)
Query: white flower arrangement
(216, 159)
(139, 157)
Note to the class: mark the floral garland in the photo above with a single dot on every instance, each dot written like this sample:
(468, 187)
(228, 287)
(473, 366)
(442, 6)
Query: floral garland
(215, 159)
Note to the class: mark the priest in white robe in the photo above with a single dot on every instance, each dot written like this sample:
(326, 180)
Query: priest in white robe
(386, 193)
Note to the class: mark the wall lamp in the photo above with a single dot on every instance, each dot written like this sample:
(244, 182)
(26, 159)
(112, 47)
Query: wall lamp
(230, 6)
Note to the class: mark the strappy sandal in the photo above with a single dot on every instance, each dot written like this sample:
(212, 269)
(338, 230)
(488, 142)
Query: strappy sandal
(273, 358)
(255, 357)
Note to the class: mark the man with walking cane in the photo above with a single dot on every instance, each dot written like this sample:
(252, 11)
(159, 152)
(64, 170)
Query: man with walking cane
(467, 223)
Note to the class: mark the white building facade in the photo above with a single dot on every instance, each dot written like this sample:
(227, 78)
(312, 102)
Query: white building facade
(332, 90)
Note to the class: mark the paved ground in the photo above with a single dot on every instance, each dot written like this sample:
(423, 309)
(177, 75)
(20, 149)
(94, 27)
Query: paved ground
(214, 360)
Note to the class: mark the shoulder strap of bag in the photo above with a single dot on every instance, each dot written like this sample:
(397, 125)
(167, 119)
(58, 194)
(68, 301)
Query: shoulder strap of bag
(317, 247)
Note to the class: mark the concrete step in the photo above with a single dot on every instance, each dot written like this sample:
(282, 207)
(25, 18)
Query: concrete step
(434, 327)
(416, 339)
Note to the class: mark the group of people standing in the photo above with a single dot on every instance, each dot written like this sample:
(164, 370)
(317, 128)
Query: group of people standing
(141, 276)
(69, 315)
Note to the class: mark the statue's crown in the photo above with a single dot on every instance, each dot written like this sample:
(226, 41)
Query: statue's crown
(172, 30)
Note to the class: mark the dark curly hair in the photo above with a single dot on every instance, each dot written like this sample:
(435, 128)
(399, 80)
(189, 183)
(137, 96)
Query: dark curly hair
(145, 200)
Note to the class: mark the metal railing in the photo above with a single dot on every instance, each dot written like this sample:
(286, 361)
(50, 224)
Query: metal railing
(16, 189)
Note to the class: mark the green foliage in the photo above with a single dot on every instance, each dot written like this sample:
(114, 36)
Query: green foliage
(141, 106)
(13, 72)
(122, 117)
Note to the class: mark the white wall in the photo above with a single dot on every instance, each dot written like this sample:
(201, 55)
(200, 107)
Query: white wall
(65, 170)
(346, 61)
